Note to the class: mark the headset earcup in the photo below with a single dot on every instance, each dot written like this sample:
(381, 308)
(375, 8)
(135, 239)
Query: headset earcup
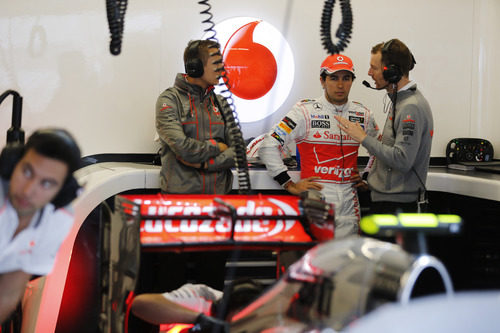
(194, 68)
(10, 155)
(392, 74)
(194, 65)
(68, 193)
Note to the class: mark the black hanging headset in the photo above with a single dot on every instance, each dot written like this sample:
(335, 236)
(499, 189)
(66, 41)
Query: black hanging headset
(194, 65)
(12, 153)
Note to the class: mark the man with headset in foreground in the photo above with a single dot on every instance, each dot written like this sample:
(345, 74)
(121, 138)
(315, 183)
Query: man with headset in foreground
(36, 187)
(397, 178)
(328, 156)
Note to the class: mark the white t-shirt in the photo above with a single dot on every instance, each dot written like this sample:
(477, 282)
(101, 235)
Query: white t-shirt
(197, 297)
(34, 249)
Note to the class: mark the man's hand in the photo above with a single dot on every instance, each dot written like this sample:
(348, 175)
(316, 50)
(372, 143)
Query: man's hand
(222, 146)
(354, 129)
(303, 185)
(207, 324)
(193, 165)
(358, 182)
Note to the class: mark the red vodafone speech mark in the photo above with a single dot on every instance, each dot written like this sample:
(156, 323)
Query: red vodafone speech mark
(250, 67)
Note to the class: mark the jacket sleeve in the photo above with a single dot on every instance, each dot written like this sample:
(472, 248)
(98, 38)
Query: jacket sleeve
(372, 130)
(290, 128)
(196, 297)
(371, 126)
(401, 156)
(224, 160)
(170, 130)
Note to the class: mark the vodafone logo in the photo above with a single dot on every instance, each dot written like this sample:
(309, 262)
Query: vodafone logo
(259, 64)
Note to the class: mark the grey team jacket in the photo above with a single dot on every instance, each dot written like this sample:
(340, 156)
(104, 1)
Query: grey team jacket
(189, 125)
(399, 159)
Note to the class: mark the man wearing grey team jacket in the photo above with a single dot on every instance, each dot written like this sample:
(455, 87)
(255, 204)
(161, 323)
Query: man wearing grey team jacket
(397, 178)
(196, 153)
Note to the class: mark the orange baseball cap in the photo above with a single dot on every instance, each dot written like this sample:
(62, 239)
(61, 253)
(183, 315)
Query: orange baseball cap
(336, 62)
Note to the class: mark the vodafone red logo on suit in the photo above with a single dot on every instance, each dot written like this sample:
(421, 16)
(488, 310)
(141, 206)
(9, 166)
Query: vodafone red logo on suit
(259, 64)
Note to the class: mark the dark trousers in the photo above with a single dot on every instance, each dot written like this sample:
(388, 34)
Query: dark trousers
(390, 207)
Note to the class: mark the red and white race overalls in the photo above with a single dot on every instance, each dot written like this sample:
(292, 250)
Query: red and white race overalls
(325, 151)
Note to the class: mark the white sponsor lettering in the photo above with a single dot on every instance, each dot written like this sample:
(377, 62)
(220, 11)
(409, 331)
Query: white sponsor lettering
(285, 210)
(153, 226)
(189, 226)
(206, 226)
(224, 224)
(172, 210)
(335, 136)
(335, 170)
(169, 226)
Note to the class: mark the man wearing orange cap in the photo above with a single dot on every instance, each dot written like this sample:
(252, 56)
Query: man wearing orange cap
(328, 156)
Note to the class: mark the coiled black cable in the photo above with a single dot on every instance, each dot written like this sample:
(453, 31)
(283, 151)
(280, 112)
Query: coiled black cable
(115, 10)
(344, 30)
(15, 133)
(231, 118)
(210, 29)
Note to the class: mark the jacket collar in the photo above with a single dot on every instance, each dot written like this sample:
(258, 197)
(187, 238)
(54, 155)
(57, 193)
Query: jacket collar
(183, 84)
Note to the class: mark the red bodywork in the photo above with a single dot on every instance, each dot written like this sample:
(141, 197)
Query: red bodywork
(201, 222)
(205, 220)
(174, 223)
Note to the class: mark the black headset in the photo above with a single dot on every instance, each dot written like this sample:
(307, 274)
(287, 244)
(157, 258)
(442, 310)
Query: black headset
(12, 153)
(392, 73)
(194, 65)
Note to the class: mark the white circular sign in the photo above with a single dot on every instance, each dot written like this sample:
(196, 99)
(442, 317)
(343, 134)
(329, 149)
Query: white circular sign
(259, 64)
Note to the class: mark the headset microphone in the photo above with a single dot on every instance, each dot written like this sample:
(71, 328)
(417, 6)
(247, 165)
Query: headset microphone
(366, 84)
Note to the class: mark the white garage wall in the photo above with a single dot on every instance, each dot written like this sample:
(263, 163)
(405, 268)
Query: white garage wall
(56, 55)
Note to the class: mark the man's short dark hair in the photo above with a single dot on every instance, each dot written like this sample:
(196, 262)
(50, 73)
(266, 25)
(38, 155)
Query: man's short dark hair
(202, 48)
(58, 144)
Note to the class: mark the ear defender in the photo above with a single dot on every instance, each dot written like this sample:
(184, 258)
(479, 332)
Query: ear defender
(10, 155)
(194, 65)
(392, 73)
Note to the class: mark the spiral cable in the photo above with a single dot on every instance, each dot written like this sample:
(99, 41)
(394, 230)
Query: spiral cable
(231, 118)
(344, 30)
(115, 10)
(208, 20)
